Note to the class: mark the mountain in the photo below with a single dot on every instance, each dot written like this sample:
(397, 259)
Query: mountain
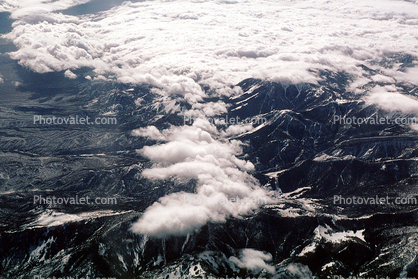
(314, 164)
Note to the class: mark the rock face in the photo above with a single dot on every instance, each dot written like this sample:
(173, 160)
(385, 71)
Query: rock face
(317, 165)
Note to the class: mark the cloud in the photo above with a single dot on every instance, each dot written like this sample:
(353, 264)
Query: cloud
(211, 108)
(389, 98)
(225, 186)
(179, 47)
(70, 74)
(24, 8)
(297, 271)
(382, 79)
(392, 101)
(253, 260)
(150, 132)
(238, 129)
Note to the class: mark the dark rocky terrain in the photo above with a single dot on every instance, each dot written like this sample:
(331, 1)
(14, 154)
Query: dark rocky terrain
(298, 152)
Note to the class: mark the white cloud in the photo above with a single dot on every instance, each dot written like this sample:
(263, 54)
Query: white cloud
(70, 74)
(211, 108)
(224, 186)
(299, 271)
(238, 129)
(151, 132)
(357, 84)
(254, 260)
(1, 79)
(382, 79)
(389, 99)
(25, 8)
(392, 101)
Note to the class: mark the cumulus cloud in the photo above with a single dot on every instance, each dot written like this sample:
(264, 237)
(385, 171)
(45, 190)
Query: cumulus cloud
(210, 108)
(253, 260)
(224, 185)
(149, 132)
(70, 74)
(238, 129)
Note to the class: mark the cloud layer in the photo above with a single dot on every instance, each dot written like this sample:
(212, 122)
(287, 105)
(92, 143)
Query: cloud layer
(25, 8)
(177, 45)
